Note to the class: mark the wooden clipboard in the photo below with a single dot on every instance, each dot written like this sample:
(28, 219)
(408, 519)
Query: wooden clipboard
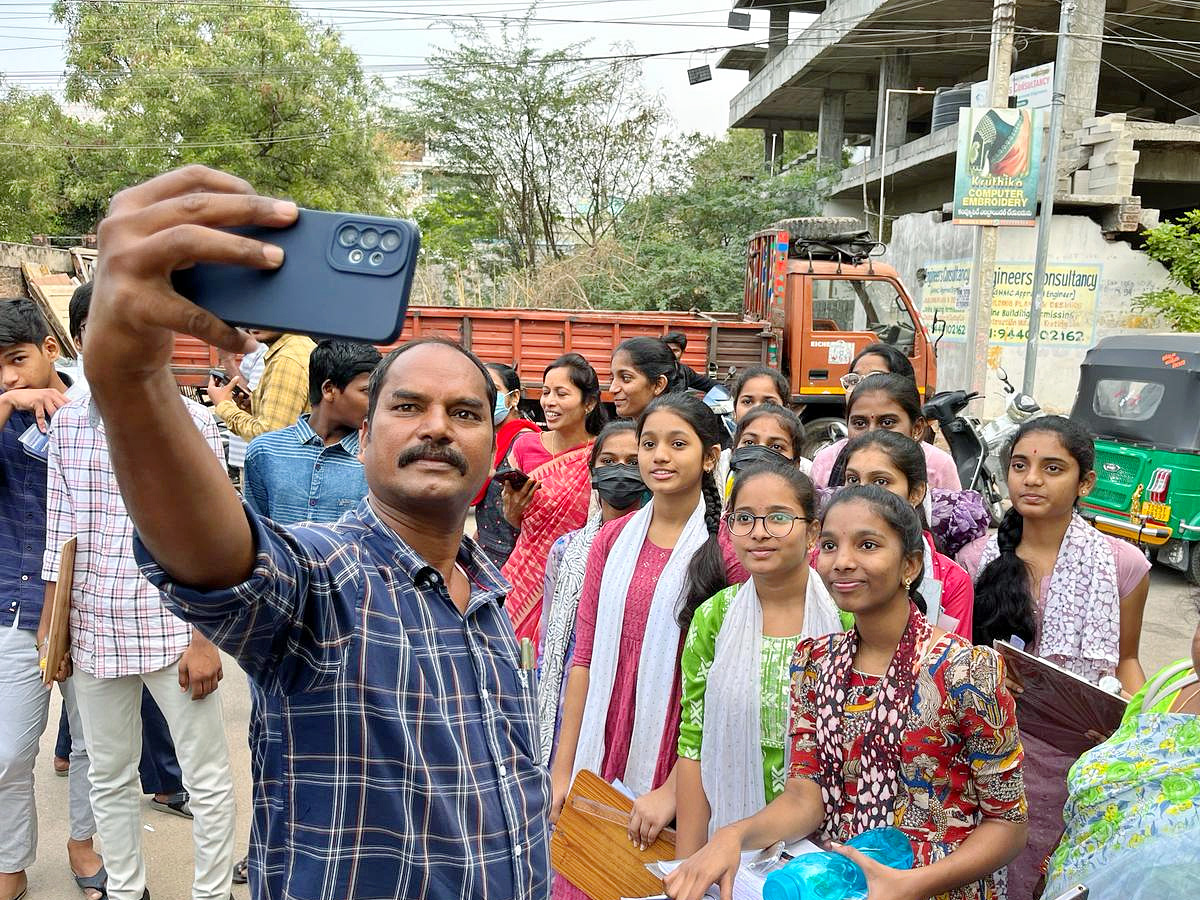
(59, 635)
(591, 849)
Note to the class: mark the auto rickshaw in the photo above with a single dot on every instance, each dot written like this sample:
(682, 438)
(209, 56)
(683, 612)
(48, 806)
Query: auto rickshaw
(1140, 396)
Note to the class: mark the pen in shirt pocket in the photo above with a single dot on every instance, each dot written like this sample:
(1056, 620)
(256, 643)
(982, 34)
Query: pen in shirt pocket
(528, 660)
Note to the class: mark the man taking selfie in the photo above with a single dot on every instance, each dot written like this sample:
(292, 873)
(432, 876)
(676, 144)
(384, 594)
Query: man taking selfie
(394, 755)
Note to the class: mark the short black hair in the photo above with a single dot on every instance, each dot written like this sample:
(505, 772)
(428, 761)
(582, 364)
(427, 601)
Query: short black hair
(21, 322)
(678, 338)
(78, 309)
(338, 362)
(508, 375)
(380, 374)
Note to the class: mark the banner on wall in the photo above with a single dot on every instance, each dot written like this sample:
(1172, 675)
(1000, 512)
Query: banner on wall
(997, 166)
(1069, 302)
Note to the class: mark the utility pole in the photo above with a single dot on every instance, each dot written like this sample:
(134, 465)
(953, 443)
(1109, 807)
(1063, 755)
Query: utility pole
(983, 266)
(1049, 184)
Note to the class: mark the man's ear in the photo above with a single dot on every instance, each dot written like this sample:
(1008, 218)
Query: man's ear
(364, 437)
(50, 347)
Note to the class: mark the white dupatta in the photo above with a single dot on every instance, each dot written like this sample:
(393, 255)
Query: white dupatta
(659, 656)
(731, 768)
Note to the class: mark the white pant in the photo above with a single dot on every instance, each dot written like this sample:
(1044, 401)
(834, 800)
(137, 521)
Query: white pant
(111, 711)
(24, 707)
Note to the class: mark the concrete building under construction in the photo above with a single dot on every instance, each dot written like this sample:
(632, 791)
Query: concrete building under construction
(1130, 152)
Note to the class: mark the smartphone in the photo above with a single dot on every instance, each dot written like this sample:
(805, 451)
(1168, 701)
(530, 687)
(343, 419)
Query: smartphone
(219, 376)
(343, 275)
(514, 478)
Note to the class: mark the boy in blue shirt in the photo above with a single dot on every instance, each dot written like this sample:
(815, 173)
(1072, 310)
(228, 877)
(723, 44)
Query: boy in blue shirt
(310, 471)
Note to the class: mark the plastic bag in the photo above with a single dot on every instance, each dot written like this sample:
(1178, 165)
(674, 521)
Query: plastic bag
(831, 876)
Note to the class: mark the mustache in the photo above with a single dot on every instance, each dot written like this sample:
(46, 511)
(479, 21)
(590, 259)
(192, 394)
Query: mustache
(434, 453)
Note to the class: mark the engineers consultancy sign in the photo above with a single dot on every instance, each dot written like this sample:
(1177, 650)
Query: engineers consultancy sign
(997, 166)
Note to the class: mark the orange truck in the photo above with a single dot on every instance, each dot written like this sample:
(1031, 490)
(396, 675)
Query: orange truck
(813, 298)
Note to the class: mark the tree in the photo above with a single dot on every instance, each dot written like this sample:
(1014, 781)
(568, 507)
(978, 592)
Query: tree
(254, 88)
(1177, 246)
(553, 145)
(684, 241)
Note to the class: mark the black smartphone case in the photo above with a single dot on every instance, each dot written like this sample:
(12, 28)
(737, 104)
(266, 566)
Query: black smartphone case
(321, 289)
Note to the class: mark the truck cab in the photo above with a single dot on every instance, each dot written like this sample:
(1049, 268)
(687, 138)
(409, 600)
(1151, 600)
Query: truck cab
(827, 299)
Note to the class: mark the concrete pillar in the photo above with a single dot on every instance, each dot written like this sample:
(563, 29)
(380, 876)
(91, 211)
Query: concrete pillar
(895, 71)
(831, 128)
(772, 148)
(777, 32)
(1083, 72)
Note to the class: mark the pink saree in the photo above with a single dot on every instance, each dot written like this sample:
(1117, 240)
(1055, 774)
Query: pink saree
(560, 505)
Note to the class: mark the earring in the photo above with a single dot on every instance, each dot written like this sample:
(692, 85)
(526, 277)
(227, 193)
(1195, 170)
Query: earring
(907, 584)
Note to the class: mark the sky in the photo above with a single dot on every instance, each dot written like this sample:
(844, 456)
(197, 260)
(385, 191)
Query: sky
(393, 39)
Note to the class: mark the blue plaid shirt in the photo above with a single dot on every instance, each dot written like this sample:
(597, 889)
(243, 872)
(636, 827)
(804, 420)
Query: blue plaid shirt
(291, 476)
(395, 755)
(22, 526)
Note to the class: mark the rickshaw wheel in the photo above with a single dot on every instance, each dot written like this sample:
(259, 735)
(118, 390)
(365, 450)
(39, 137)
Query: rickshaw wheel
(1193, 566)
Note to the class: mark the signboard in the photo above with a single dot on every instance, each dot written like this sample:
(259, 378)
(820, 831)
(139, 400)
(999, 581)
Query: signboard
(1069, 302)
(997, 167)
(1033, 88)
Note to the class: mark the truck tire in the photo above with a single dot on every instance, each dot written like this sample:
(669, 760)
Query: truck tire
(820, 433)
(818, 228)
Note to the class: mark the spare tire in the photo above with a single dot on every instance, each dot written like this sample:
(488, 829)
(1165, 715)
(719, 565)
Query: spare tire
(818, 228)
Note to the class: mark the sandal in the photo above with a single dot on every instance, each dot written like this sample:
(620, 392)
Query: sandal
(97, 882)
(241, 870)
(175, 805)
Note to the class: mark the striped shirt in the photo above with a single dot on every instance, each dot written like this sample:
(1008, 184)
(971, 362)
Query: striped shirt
(291, 476)
(119, 625)
(395, 752)
(280, 396)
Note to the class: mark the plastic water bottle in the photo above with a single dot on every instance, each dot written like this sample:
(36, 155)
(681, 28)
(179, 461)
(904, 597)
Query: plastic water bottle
(831, 876)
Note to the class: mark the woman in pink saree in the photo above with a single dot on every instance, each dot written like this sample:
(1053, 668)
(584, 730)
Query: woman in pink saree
(555, 499)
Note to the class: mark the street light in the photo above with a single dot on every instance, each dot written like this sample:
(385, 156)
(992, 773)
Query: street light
(887, 102)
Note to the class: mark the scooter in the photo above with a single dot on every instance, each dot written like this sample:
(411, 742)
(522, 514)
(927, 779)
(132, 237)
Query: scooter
(976, 447)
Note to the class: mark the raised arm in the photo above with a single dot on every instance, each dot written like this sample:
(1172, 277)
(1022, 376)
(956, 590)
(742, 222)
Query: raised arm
(180, 499)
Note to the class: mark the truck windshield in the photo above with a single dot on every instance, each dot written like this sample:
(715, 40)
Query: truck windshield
(848, 304)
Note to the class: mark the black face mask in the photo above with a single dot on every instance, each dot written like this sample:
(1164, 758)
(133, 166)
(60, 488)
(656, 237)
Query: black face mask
(620, 485)
(754, 453)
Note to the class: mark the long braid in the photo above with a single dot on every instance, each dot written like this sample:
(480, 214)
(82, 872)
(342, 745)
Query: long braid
(706, 571)
(1003, 603)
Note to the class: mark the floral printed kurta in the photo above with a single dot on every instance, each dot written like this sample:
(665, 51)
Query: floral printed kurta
(960, 761)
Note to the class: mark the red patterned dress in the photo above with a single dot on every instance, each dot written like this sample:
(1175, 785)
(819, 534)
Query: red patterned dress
(960, 760)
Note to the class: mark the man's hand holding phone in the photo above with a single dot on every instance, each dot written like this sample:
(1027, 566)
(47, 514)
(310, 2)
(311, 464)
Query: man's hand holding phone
(168, 223)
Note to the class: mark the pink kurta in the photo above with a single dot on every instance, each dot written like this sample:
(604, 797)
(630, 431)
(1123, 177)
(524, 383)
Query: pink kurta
(618, 730)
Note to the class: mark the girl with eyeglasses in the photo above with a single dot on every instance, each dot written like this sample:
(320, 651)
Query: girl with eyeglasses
(495, 535)
(877, 359)
(738, 653)
(892, 403)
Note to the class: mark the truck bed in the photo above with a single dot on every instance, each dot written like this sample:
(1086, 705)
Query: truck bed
(532, 338)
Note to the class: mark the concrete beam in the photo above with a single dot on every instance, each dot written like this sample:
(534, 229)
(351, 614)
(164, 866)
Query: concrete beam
(831, 132)
(895, 71)
(777, 32)
(1083, 73)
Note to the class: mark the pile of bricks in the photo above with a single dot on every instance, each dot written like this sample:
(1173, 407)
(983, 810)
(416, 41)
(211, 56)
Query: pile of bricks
(1109, 171)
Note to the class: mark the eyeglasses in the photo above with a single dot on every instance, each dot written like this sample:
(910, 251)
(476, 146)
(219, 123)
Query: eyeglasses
(777, 524)
(853, 379)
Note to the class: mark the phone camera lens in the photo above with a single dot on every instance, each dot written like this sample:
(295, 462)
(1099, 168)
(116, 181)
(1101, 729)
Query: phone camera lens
(348, 236)
(356, 256)
(369, 239)
(390, 241)
(376, 258)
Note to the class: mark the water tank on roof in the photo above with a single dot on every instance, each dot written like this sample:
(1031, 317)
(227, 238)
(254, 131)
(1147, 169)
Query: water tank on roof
(947, 103)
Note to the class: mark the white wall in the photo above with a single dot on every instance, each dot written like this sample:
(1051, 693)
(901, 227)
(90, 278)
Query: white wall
(921, 240)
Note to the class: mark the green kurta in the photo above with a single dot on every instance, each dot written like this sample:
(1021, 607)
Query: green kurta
(774, 695)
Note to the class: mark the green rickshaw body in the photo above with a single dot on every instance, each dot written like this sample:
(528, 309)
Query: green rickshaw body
(1140, 397)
